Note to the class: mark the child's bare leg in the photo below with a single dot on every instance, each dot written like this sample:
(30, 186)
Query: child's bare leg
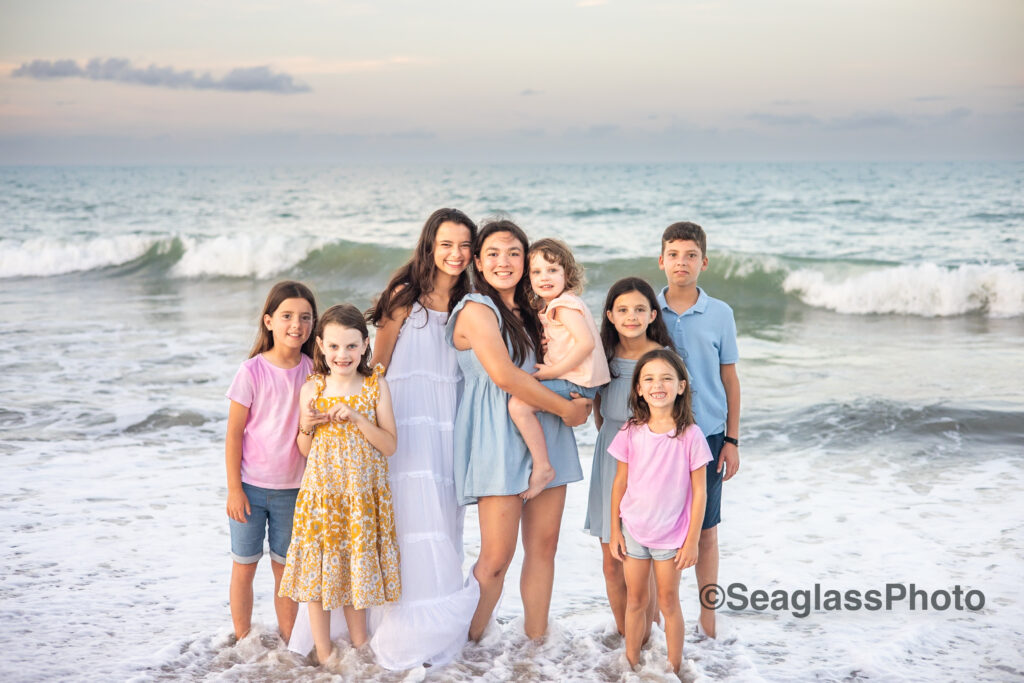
(615, 586)
(525, 420)
(356, 621)
(286, 608)
(636, 573)
(667, 577)
(707, 573)
(652, 605)
(320, 624)
(240, 595)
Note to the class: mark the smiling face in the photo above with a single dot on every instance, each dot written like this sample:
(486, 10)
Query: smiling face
(546, 278)
(682, 261)
(291, 324)
(342, 347)
(501, 261)
(452, 248)
(631, 314)
(658, 384)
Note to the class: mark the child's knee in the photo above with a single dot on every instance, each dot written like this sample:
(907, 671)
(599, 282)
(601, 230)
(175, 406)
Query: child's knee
(518, 409)
(708, 539)
(612, 569)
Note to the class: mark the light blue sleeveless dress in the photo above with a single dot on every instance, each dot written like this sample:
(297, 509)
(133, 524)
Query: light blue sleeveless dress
(614, 413)
(491, 458)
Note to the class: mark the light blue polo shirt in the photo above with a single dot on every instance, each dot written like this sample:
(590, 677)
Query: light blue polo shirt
(705, 338)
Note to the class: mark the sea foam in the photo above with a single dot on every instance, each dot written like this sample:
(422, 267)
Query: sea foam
(925, 289)
(43, 257)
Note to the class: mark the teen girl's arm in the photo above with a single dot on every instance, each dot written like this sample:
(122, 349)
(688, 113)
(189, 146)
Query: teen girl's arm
(583, 344)
(686, 556)
(617, 543)
(382, 434)
(386, 336)
(489, 347)
(309, 417)
(238, 502)
(730, 452)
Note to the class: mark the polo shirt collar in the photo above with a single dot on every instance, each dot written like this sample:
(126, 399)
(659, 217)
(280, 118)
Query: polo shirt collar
(699, 307)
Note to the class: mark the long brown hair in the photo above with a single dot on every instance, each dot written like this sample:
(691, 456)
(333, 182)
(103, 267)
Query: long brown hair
(348, 316)
(656, 331)
(523, 331)
(286, 289)
(416, 277)
(682, 413)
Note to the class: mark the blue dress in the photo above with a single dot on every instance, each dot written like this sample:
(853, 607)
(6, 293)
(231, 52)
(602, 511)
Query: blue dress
(614, 413)
(491, 458)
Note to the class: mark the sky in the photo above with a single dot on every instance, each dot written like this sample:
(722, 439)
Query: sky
(229, 81)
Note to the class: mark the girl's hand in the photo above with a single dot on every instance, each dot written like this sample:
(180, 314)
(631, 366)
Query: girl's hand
(544, 372)
(579, 411)
(686, 556)
(238, 505)
(312, 418)
(617, 545)
(341, 412)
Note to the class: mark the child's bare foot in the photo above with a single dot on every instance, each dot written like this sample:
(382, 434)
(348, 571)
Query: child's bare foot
(540, 477)
(706, 628)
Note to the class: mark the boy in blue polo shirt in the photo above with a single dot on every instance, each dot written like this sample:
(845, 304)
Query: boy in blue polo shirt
(703, 331)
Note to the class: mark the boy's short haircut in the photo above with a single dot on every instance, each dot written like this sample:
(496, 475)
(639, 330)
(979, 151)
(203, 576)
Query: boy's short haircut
(685, 230)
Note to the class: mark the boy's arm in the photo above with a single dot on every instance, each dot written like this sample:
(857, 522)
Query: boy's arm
(731, 452)
(238, 502)
(583, 344)
(686, 557)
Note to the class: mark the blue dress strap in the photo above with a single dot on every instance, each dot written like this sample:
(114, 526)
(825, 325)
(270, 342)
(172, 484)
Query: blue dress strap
(449, 328)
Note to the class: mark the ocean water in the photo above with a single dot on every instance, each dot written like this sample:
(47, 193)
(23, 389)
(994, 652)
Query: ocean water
(880, 310)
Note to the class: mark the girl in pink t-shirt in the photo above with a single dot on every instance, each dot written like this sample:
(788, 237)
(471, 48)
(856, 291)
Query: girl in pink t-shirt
(574, 360)
(659, 496)
(264, 465)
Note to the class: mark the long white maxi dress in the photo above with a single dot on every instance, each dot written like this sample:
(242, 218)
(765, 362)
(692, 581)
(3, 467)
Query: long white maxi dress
(431, 621)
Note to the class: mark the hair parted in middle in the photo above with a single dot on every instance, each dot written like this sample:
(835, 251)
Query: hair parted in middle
(656, 331)
(348, 316)
(557, 251)
(523, 333)
(416, 277)
(682, 414)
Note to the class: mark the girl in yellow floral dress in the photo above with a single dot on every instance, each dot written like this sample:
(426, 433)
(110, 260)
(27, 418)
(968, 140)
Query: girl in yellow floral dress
(343, 552)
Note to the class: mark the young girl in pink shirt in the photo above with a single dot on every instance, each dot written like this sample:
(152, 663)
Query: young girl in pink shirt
(264, 465)
(659, 496)
(574, 360)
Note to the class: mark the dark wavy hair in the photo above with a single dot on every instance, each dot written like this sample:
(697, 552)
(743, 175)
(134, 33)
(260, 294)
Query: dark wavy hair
(286, 289)
(523, 333)
(348, 316)
(656, 331)
(416, 277)
(682, 412)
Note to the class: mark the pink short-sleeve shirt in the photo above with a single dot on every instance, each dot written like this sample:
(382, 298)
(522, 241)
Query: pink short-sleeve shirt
(593, 371)
(656, 505)
(270, 456)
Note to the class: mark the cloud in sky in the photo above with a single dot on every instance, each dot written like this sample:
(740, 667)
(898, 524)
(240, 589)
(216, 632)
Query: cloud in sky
(243, 79)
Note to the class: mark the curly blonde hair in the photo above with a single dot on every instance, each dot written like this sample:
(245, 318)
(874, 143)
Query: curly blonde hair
(557, 251)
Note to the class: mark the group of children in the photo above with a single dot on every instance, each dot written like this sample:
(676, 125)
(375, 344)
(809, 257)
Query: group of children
(311, 425)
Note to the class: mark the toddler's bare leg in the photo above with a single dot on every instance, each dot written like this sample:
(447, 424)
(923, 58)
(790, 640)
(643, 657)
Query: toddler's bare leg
(525, 419)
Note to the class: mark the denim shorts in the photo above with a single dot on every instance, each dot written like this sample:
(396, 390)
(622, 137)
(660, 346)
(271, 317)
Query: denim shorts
(271, 509)
(641, 552)
(713, 509)
(565, 388)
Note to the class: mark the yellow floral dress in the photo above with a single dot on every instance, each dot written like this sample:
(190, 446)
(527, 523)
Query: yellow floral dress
(344, 550)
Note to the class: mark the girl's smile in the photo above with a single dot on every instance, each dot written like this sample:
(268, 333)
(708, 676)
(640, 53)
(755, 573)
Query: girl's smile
(501, 260)
(631, 314)
(291, 323)
(659, 384)
(546, 278)
(452, 248)
(343, 348)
